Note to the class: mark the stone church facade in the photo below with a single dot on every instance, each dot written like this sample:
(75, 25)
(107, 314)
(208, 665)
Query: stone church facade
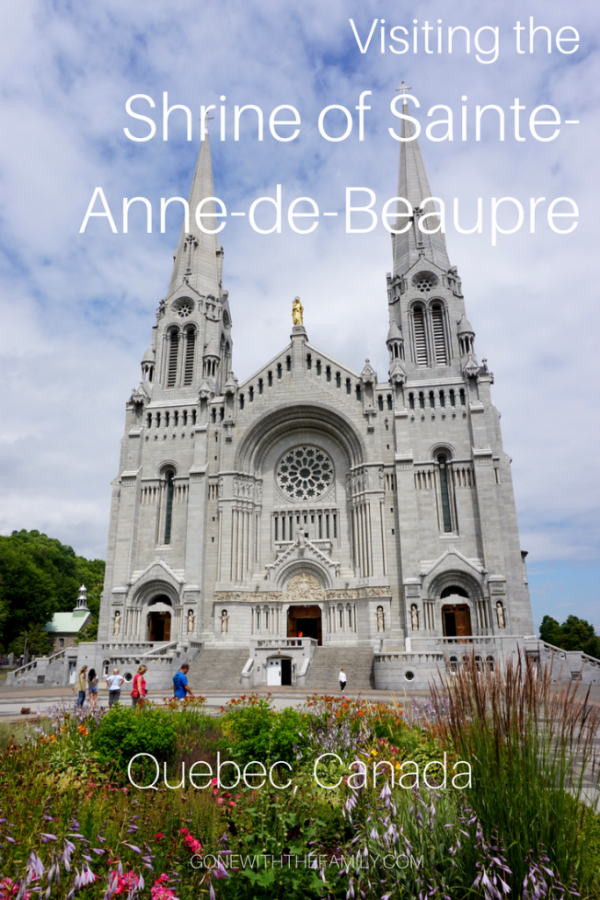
(313, 509)
(311, 497)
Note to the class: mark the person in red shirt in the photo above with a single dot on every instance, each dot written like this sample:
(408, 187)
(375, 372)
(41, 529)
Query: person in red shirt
(139, 687)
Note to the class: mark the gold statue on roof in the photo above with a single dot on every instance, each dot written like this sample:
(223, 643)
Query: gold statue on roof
(297, 312)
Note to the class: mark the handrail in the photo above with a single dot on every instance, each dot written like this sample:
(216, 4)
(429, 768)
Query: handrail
(32, 664)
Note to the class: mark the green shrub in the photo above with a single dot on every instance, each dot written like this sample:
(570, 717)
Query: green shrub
(256, 732)
(126, 731)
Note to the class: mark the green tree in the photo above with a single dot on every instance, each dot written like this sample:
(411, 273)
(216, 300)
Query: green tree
(39, 643)
(573, 634)
(40, 576)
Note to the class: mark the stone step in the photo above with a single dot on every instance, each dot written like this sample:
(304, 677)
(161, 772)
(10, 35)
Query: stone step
(327, 662)
(217, 668)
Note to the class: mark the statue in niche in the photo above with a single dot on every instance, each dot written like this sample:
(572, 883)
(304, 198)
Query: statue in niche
(414, 617)
(297, 312)
(190, 621)
(381, 479)
(500, 614)
(117, 623)
(380, 619)
(224, 622)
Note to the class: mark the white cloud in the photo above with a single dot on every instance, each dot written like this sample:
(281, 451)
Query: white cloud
(77, 309)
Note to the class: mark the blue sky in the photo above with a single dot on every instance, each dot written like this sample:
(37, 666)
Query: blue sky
(77, 309)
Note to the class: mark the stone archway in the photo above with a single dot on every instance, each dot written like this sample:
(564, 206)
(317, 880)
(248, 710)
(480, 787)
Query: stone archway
(305, 593)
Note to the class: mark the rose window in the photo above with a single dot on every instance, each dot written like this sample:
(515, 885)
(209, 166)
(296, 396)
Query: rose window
(184, 310)
(305, 473)
(425, 282)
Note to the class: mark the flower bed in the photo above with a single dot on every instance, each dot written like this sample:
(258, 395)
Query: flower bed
(342, 798)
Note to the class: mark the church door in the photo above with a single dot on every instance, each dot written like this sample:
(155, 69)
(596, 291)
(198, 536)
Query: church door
(457, 621)
(305, 621)
(159, 626)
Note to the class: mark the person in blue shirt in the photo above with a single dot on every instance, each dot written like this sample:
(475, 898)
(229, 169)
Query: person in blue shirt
(180, 683)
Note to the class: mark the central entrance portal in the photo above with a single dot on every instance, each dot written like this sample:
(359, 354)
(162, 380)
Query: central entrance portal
(305, 620)
(159, 626)
(457, 621)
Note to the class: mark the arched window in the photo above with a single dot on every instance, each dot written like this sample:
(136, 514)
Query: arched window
(380, 402)
(241, 401)
(348, 386)
(452, 396)
(190, 348)
(338, 379)
(213, 414)
(445, 492)
(279, 370)
(176, 418)
(308, 361)
(251, 394)
(260, 385)
(270, 379)
(149, 420)
(318, 367)
(328, 373)
(288, 363)
(421, 399)
(432, 399)
(172, 364)
(389, 401)
(358, 392)
(167, 417)
(158, 420)
(439, 334)
(193, 417)
(169, 492)
(442, 398)
(185, 417)
(411, 400)
(463, 399)
(420, 338)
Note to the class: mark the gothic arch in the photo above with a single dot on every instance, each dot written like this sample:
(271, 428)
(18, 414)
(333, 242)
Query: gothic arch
(298, 418)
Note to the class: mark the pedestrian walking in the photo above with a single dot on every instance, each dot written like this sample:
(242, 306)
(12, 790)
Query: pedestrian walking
(139, 687)
(180, 683)
(93, 689)
(114, 683)
(342, 679)
(81, 687)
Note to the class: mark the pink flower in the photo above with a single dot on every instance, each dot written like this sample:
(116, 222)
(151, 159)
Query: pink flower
(125, 884)
(160, 891)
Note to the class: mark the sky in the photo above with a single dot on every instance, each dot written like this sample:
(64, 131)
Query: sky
(77, 309)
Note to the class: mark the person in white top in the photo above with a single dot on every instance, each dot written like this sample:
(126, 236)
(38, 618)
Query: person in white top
(114, 683)
(342, 679)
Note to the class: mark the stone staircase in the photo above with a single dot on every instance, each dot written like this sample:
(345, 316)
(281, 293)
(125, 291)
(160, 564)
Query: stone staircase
(216, 668)
(326, 665)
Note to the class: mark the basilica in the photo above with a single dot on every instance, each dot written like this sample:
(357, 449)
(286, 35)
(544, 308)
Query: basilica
(269, 531)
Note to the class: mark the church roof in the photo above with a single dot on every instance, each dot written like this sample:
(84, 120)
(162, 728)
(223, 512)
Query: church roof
(68, 622)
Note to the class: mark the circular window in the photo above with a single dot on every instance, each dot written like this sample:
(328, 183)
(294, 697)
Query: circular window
(410, 676)
(425, 282)
(128, 676)
(183, 307)
(305, 473)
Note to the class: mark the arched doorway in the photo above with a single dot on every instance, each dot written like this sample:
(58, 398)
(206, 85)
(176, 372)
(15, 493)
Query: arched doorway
(305, 621)
(159, 619)
(456, 620)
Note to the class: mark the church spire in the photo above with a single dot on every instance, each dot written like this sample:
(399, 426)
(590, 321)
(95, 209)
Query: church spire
(414, 186)
(199, 257)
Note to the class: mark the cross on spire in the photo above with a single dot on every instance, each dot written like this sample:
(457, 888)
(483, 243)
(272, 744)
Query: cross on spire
(403, 89)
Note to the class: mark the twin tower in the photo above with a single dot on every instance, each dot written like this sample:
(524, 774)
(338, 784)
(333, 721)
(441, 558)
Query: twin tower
(312, 515)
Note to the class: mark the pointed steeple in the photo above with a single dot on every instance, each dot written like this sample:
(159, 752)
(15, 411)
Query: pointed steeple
(414, 186)
(199, 257)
